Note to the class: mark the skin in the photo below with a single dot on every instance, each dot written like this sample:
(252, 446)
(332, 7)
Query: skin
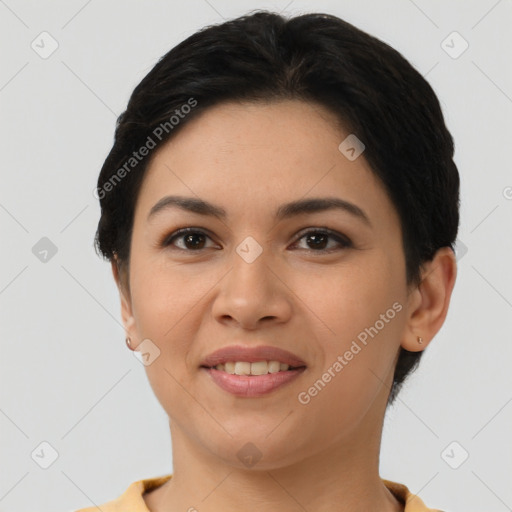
(323, 455)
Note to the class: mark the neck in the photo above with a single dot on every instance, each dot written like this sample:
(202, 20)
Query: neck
(342, 478)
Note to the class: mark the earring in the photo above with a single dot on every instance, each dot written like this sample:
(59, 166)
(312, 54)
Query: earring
(129, 343)
(420, 340)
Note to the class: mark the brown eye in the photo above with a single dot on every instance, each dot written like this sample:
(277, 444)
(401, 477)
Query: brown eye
(317, 240)
(191, 239)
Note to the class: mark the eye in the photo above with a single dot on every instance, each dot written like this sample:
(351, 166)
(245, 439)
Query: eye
(192, 239)
(317, 239)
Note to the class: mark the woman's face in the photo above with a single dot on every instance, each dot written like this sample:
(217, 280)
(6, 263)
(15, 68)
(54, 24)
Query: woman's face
(254, 278)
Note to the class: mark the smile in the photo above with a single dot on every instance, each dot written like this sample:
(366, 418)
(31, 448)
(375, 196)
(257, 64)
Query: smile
(256, 368)
(238, 378)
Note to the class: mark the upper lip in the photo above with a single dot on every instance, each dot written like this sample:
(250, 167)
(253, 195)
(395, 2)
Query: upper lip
(251, 355)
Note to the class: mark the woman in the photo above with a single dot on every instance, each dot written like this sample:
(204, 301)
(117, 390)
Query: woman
(280, 208)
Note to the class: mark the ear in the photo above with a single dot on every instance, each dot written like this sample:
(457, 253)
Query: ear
(123, 287)
(428, 302)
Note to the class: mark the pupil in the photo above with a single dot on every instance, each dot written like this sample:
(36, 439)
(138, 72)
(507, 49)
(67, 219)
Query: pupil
(317, 243)
(317, 240)
(189, 238)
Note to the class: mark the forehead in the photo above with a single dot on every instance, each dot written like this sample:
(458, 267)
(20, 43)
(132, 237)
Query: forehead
(250, 155)
(288, 127)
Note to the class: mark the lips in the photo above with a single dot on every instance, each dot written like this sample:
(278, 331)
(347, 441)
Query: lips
(252, 355)
(246, 386)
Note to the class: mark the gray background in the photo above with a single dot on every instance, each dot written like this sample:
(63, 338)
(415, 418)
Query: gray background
(67, 377)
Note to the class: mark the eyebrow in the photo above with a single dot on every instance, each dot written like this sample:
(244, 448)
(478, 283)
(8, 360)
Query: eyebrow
(285, 211)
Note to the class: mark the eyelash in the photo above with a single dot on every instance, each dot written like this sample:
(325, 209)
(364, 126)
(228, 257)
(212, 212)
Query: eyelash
(341, 239)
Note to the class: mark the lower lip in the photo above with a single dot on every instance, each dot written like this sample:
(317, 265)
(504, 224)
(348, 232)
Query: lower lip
(252, 385)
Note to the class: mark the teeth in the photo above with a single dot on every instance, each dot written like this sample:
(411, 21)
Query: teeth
(242, 368)
(274, 366)
(257, 368)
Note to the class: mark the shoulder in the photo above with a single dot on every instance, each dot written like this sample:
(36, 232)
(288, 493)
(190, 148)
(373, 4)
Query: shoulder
(412, 502)
(132, 498)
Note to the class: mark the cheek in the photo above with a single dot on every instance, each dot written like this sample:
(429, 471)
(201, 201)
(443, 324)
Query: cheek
(163, 304)
(348, 298)
(361, 312)
(169, 309)
(163, 297)
(361, 320)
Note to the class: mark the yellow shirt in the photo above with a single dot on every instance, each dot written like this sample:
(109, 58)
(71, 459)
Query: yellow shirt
(131, 500)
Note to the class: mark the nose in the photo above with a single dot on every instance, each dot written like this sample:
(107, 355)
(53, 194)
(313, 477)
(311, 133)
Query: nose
(252, 294)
